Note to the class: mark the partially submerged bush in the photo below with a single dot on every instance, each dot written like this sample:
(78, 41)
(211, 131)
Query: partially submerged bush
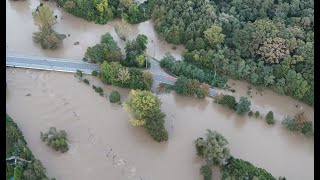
(98, 90)
(250, 113)
(114, 96)
(86, 81)
(48, 39)
(270, 118)
(55, 139)
(206, 172)
(94, 73)
(79, 73)
(243, 106)
(299, 123)
(257, 114)
(227, 100)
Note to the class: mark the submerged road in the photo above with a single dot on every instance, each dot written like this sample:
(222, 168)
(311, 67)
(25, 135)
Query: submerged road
(69, 65)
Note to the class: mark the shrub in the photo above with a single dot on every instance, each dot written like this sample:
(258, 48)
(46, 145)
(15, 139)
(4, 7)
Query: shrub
(95, 73)
(299, 124)
(243, 106)
(250, 113)
(190, 87)
(257, 114)
(270, 118)
(48, 39)
(86, 81)
(206, 172)
(98, 90)
(55, 139)
(114, 96)
(79, 73)
(227, 100)
(154, 124)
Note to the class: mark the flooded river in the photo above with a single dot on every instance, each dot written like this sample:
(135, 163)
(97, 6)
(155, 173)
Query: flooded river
(88, 34)
(103, 145)
(94, 126)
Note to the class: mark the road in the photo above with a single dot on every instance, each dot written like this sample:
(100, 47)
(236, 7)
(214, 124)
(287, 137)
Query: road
(68, 65)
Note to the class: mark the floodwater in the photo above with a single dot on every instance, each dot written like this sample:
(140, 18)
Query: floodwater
(20, 27)
(94, 126)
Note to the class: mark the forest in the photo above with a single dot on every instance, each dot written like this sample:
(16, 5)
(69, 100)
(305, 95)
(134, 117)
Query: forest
(268, 43)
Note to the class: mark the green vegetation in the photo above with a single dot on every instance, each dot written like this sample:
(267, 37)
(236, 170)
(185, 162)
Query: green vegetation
(44, 19)
(191, 87)
(135, 52)
(55, 139)
(240, 169)
(257, 114)
(299, 123)
(250, 113)
(17, 146)
(98, 90)
(86, 81)
(114, 96)
(226, 100)
(79, 73)
(102, 11)
(106, 50)
(115, 74)
(213, 149)
(95, 73)
(206, 172)
(145, 108)
(188, 70)
(270, 118)
(243, 106)
(269, 44)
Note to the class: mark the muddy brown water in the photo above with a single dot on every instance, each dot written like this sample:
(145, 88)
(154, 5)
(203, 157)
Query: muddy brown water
(20, 27)
(94, 126)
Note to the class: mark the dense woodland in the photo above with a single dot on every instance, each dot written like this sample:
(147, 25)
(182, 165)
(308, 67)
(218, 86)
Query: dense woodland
(268, 43)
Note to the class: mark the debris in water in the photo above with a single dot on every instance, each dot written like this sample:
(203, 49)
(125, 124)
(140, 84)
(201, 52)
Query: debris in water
(76, 43)
(28, 95)
(69, 35)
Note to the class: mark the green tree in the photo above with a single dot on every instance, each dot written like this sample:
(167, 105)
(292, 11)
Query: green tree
(43, 17)
(270, 118)
(213, 148)
(214, 35)
(114, 96)
(206, 171)
(154, 124)
(243, 106)
(229, 101)
(18, 172)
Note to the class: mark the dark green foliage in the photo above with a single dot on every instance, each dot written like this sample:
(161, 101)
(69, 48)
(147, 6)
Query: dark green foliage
(250, 113)
(106, 50)
(227, 100)
(270, 118)
(55, 139)
(298, 124)
(114, 96)
(190, 87)
(47, 38)
(95, 73)
(243, 106)
(155, 125)
(17, 146)
(206, 172)
(188, 70)
(86, 81)
(257, 114)
(268, 43)
(135, 52)
(98, 90)
(240, 169)
(79, 73)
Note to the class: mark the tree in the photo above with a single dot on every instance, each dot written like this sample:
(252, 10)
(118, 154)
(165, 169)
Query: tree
(214, 35)
(141, 103)
(213, 148)
(114, 96)
(43, 17)
(123, 75)
(181, 86)
(229, 101)
(243, 106)
(273, 50)
(270, 118)
(154, 124)
(206, 171)
(18, 173)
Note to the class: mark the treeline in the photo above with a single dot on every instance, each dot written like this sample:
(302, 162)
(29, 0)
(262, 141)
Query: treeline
(17, 146)
(102, 11)
(268, 43)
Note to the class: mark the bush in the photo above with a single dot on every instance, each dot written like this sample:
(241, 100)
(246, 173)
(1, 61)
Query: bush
(227, 100)
(79, 73)
(190, 87)
(48, 39)
(250, 113)
(154, 124)
(298, 124)
(206, 172)
(270, 118)
(94, 73)
(257, 114)
(98, 90)
(86, 81)
(243, 106)
(55, 139)
(114, 96)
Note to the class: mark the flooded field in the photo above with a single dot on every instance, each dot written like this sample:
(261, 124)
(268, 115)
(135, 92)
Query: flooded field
(88, 34)
(94, 126)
